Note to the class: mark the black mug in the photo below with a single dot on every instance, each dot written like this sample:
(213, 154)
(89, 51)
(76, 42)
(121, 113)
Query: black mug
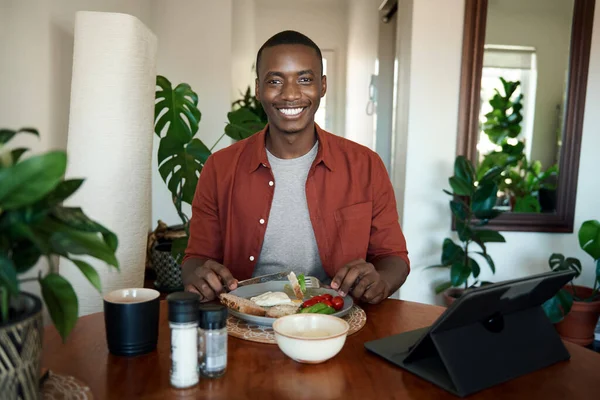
(131, 321)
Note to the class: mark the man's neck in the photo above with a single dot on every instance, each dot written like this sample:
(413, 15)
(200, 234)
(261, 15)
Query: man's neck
(291, 145)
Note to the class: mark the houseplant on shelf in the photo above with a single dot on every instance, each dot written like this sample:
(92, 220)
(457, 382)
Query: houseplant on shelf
(472, 206)
(34, 225)
(181, 157)
(575, 309)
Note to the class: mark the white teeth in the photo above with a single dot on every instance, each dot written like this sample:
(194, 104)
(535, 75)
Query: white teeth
(291, 111)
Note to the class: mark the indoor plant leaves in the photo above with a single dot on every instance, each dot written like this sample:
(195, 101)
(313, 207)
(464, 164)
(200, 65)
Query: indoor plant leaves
(61, 300)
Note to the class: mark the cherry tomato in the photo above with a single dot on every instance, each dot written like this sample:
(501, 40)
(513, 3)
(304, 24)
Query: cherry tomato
(327, 303)
(327, 296)
(310, 302)
(337, 303)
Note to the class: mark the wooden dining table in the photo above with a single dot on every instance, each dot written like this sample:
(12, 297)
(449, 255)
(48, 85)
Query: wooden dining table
(262, 371)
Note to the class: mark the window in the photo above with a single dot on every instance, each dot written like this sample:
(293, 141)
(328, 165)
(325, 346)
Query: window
(324, 116)
(513, 63)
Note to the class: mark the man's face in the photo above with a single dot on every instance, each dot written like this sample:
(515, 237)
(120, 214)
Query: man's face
(290, 86)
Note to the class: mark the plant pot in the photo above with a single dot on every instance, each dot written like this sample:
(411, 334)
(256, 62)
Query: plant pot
(450, 295)
(21, 348)
(578, 326)
(168, 272)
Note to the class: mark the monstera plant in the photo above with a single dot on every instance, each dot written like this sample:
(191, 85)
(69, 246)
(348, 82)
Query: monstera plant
(472, 206)
(575, 308)
(181, 154)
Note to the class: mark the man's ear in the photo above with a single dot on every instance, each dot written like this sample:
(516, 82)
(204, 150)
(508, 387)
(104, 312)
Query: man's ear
(256, 91)
(323, 85)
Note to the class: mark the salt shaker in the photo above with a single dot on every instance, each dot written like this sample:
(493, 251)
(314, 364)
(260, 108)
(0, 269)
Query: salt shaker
(183, 321)
(212, 340)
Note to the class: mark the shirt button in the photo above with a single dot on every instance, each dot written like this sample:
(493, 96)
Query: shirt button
(251, 258)
(271, 183)
(262, 221)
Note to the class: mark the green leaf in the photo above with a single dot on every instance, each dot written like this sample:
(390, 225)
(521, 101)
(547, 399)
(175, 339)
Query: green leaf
(486, 215)
(484, 198)
(7, 134)
(243, 123)
(589, 238)
(17, 153)
(177, 108)
(442, 287)
(558, 262)
(70, 241)
(491, 175)
(459, 210)
(460, 187)
(25, 256)
(451, 252)
(489, 260)
(464, 232)
(8, 275)
(89, 272)
(302, 283)
(463, 169)
(487, 236)
(63, 191)
(198, 150)
(30, 180)
(61, 300)
(474, 267)
(74, 217)
(459, 273)
(178, 247)
(179, 167)
(527, 204)
(557, 307)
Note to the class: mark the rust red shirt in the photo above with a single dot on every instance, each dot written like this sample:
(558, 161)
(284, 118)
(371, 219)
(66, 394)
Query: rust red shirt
(349, 195)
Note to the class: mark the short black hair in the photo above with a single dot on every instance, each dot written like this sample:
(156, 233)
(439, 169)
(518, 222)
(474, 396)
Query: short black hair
(289, 37)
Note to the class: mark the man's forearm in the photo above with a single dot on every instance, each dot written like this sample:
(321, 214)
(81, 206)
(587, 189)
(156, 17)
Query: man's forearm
(393, 271)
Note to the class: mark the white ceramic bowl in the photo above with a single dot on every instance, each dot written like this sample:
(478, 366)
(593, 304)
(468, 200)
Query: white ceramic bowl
(310, 338)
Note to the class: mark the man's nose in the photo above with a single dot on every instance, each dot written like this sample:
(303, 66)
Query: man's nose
(291, 91)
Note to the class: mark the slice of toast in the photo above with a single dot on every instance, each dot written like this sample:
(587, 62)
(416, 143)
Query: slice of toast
(295, 286)
(282, 310)
(242, 305)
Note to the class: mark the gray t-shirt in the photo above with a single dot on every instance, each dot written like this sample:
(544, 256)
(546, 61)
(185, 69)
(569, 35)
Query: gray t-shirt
(289, 242)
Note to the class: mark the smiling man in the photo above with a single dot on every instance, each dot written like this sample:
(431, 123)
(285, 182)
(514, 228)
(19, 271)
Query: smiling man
(293, 196)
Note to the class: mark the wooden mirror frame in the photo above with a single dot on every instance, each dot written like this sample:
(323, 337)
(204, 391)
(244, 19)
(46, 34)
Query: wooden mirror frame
(468, 127)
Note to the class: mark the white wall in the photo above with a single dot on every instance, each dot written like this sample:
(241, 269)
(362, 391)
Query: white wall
(194, 46)
(363, 29)
(434, 91)
(324, 22)
(243, 46)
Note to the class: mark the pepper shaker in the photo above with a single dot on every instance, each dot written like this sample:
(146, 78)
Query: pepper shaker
(183, 321)
(212, 340)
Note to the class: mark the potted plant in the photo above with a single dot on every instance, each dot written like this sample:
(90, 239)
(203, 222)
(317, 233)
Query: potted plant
(34, 225)
(472, 206)
(575, 309)
(181, 157)
(526, 185)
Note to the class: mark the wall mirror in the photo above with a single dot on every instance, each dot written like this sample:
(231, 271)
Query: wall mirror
(522, 100)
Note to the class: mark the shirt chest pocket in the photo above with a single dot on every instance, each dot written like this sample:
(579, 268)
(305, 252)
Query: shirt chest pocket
(354, 229)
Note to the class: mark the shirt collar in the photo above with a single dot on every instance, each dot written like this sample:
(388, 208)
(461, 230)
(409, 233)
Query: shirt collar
(259, 152)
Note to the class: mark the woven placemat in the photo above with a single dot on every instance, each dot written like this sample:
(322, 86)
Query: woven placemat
(63, 387)
(356, 318)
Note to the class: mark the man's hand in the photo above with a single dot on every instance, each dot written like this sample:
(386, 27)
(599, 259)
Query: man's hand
(207, 278)
(360, 279)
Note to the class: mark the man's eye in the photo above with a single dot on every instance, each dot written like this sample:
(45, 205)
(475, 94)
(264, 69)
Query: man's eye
(305, 80)
(274, 82)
